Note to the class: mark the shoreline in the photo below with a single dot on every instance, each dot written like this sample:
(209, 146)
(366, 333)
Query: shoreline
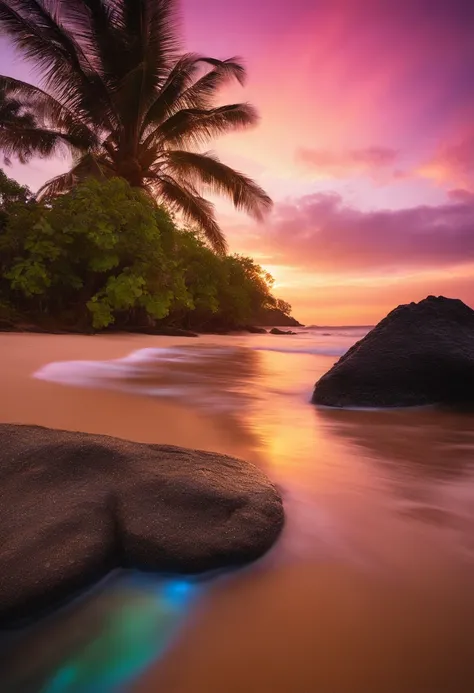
(123, 415)
(149, 332)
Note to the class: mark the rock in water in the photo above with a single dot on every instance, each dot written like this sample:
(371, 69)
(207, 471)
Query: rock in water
(276, 330)
(255, 330)
(74, 506)
(421, 353)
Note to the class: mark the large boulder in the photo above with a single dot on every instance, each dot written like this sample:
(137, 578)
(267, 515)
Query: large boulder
(421, 353)
(74, 506)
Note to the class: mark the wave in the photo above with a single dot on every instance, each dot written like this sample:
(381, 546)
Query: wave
(319, 351)
(341, 328)
(211, 377)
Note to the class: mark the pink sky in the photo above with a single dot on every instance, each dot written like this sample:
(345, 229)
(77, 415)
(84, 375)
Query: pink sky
(366, 144)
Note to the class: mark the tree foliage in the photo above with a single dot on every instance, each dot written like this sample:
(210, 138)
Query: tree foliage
(119, 96)
(105, 254)
(11, 192)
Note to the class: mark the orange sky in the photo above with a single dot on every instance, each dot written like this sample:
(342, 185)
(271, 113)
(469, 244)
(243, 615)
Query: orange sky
(366, 144)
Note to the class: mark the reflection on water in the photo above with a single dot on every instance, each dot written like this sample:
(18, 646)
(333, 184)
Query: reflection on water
(373, 568)
(421, 441)
(427, 457)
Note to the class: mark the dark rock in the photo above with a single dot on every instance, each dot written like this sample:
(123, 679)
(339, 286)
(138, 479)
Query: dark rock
(272, 317)
(74, 506)
(6, 326)
(52, 328)
(421, 353)
(219, 330)
(34, 329)
(275, 330)
(163, 331)
(255, 330)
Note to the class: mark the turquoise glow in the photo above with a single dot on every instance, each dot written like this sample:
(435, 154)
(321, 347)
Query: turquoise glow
(178, 592)
(131, 636)
(63, 679)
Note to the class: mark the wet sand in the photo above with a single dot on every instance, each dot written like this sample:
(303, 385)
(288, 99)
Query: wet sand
(146, 419)
(370, 588)
(328, 629)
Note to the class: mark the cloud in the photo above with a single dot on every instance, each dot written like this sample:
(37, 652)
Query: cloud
(325, 163)
(461, 195)
(321, 233)
(452, 163)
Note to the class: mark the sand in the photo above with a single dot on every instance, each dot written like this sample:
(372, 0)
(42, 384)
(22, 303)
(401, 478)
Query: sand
(27, 400)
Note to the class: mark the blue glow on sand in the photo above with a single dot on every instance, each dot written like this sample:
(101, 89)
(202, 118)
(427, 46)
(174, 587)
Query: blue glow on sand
(178, 592)
(131, 637)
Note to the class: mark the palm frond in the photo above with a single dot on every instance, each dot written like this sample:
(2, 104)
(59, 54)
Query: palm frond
(150, 28)
(206, 169)
(180, 92)
(178, 80)
(13, 113)
(85, 167)
(48, 111)
(57, 186)
(194, 208)
(194, 126)
(202, 93)
(95, 23)
(59, 58)
(26, 142)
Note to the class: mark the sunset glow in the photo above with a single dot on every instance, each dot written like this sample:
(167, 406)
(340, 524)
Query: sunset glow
(366, 144)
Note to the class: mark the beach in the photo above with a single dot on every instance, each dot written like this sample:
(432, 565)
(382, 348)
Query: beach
(31, 401)
(368, 589)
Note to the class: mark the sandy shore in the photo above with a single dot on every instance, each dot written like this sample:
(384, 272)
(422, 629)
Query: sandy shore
(27, 400)
(300, 622)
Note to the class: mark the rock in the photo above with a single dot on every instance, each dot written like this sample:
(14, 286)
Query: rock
(255, 330)
(272, 317)
(6, 326)
(162, 331)
(34, 329)
(51, 328)
(421, 353)
(74, 506)
(275, 330)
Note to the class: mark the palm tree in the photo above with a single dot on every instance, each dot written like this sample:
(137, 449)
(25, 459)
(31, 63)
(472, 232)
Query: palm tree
(120, 98)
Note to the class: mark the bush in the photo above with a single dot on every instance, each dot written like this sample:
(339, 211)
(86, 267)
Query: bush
(105, 253)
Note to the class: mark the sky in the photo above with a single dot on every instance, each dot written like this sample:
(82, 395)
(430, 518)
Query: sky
(365, 143)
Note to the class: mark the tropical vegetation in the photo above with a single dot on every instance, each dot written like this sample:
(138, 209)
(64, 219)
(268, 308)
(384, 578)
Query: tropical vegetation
(117, 94)
(105, 255)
